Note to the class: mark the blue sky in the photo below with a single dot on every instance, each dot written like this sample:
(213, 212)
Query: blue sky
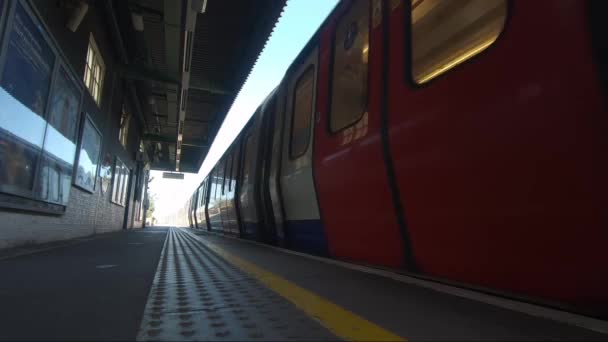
(299, 21)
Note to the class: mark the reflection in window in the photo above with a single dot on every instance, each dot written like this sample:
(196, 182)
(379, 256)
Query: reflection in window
(349, 78)
(302, 113)
(447, 33)
(94, 71)
(220, 177)
(23, 98)
(121, 181)
(89, 156)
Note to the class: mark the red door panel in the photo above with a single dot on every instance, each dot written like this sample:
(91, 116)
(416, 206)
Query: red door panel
(350, 174)
(502, 162)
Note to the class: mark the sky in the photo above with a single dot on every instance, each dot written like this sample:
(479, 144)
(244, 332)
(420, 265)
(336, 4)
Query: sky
(299, 21)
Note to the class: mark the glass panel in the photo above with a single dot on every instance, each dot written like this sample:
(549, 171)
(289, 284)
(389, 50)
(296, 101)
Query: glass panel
(212, 186)
(247, 160)
(88, 159)
(302, 113)
(23, 97)
(227, 177)
(123, 181)
(447, 33)
(117, 181)
(90, 54)
(59, 147)
(350, 69)
(234, 170)
(125, 186)
(222, 176)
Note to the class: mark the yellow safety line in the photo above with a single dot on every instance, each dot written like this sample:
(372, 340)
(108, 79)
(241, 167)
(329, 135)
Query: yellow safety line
(339, 321)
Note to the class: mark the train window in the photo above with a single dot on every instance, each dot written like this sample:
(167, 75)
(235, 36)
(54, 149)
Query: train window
(247, 160)
(350, 69)
(212, 186)
(231, 174)
(204, 195)
(302, 113)
(447, 33)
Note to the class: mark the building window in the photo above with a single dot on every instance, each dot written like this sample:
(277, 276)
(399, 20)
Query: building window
(94, 71)
(447, 33)
(123, 133)
(121, 181)
(302, 113)
(350, 67)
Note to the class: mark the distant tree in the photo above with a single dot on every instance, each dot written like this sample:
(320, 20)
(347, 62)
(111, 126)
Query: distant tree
(151, 206)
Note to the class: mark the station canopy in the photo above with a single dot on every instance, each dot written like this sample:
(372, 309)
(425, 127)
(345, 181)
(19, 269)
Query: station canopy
(185, 61)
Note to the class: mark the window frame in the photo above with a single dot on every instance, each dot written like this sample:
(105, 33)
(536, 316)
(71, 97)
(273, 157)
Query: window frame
(28, 200)
(331, 68)
(86, 117)
(408, 53)
(97, 57)
(311, 67)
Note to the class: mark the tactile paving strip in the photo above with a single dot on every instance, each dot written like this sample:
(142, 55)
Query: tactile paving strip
(197, 295)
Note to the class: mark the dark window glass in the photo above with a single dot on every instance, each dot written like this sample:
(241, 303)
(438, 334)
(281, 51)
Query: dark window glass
(23, 98)
(234, 173)
(302, 113)
(350, 67)
(447, 33)
(88, 157)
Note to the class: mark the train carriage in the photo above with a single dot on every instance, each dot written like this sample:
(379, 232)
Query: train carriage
(462, 141)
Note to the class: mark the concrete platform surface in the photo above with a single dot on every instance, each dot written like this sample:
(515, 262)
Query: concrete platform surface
(181, 284)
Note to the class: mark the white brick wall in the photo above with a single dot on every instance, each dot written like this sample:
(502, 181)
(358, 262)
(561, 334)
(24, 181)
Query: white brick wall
(86, 214)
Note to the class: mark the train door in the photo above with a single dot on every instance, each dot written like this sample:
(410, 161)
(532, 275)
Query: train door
(498, 140)
(224, 192)
(205, 201)
(247, 206)
(234, 213)
(274, 174)
(199, 208)
(352, 182)
(192, 208)
(264, 159)
(303, 227)
(215, 203)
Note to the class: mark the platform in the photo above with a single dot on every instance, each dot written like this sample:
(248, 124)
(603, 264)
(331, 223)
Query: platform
(181, 284)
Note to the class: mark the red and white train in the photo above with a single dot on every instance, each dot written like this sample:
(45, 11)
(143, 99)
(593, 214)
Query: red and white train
(462, 141)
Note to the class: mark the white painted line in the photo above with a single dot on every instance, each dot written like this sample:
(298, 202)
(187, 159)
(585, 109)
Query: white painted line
(105, 266)
(534, 310)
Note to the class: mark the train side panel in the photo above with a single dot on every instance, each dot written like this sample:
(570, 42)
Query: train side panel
(501, 161)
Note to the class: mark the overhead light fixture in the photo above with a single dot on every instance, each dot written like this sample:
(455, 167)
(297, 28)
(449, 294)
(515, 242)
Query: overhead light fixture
(138, 21)
(199, 5)
(76, 16)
